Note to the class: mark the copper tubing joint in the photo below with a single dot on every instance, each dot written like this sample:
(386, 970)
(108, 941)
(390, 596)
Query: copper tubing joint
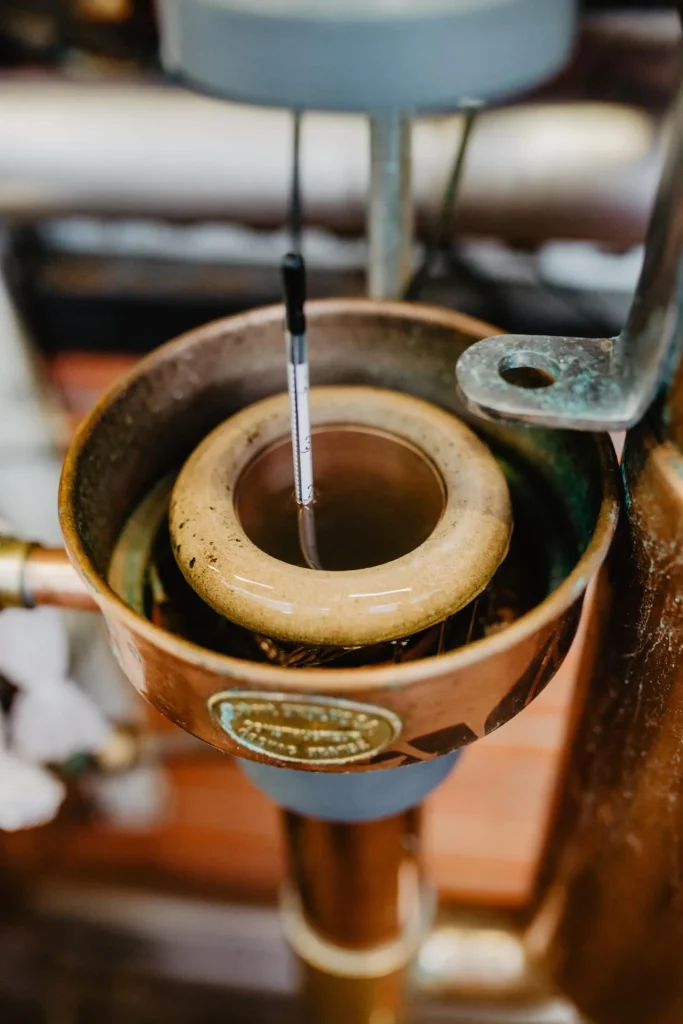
(377, 961)
(32, 575)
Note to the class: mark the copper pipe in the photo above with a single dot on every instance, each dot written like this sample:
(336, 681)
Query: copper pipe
(33, 575)
(49, 578)
(350, 883)
(331, 1000)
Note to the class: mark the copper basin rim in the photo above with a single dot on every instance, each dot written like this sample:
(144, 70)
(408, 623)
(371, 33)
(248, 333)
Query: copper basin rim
(153, 418)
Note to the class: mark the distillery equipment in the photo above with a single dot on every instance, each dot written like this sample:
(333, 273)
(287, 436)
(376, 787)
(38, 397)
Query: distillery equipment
(485, 500)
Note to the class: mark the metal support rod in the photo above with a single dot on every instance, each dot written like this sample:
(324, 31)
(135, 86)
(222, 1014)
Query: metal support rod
(390, 207)
(588, 383)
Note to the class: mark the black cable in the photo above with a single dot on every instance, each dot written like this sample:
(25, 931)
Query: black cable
(443, 227)
(295, 202)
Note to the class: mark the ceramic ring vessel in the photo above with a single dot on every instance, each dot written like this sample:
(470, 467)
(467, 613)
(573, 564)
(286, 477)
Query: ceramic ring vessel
(358, 607)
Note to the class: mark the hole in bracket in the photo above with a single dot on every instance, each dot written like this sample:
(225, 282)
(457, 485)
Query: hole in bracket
(528, 370)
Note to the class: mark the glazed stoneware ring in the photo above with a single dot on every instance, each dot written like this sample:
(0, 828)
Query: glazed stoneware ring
(348, 608)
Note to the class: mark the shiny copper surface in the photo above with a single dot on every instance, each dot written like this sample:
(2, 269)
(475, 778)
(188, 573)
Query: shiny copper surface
(49, 578)
(609, 918)
(357, 884)
(148, 424)
(353, 1001)
(347, 876)
(33, 575)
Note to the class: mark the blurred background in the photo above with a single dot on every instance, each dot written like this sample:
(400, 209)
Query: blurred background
(131, 211)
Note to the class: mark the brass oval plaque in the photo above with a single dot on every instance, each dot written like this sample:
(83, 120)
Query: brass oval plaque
(304, 730)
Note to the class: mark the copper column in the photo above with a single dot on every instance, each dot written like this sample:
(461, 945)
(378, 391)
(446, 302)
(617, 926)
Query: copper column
(610, 909)
(353, 913)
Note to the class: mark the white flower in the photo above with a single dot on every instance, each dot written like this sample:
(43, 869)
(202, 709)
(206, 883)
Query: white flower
(52, 719)
(33, 646)
(29, 795)
(55, 722)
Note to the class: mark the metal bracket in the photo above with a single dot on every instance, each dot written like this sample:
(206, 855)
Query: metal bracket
(586, 383)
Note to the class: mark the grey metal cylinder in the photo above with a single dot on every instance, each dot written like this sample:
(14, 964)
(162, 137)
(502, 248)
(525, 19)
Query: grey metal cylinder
(350, 796)
(364, 54)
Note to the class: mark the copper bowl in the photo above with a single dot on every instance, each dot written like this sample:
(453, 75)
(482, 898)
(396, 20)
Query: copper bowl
(150, 422)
